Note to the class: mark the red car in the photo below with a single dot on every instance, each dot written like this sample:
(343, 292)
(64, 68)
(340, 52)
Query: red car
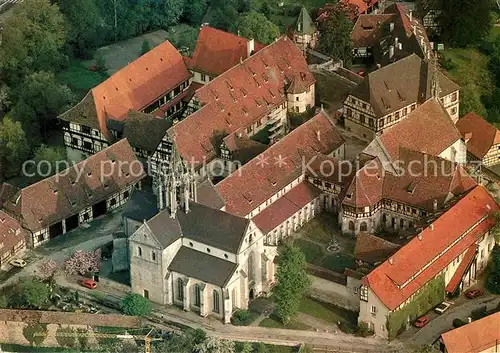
(474, 293)
(422, 321)
(88, 283)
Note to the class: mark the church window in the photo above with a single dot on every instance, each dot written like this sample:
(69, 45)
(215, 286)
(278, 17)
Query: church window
(197, 295)
(216, 302)
(139, 251)
(153, 256)
(180, 289)
(250, 239)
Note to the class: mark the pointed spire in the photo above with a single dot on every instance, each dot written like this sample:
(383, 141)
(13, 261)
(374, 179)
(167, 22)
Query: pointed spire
(435, 89)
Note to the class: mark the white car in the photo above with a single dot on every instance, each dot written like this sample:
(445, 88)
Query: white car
(441, 308)
(18, 263)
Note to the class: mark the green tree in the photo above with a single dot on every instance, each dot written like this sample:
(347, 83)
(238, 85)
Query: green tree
(215, 345)
(246, 347)
(135, 305)
(34, 293)
(335, 39)
(35, 334)
(52, 155)
(4, 302)
(261, 348)
(292, 282)
(464, 22)
(493, 279)
(496, 228)
(13, 147)
(46, 97)
(32, 40)
(255, 25)
(5, 101)
(224, 17)
(194, 10)
(84, 23)
(65, 336)
(183, 343)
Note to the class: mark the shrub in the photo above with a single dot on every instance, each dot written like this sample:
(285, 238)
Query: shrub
(446, 63)
(363, 330)
(135, 305)
(345, 327)
(243, 318)
(458, 322)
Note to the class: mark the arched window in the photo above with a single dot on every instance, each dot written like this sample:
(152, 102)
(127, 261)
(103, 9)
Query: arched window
(351, 226)
(363, 227)
(153, 255)
(139, 251)
(216, 299)
(180, 289)
(197, 295)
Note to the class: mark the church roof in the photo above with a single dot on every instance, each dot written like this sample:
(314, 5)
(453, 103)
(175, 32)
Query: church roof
(207, 194)
(307, 25)
(202, 266)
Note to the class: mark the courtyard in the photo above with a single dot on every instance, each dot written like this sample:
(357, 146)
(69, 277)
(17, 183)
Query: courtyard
(323, 244)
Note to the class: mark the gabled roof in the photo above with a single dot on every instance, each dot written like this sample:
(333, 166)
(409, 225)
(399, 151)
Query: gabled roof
(366, 188)
(400, 84)
(202, 266)
(475, 337)
(307, 25)
(419, 261)
(201, 223)
(372, 249)
(243, 149)
(206, 194)
(70, 191)
(11, 233)
(217, 51)
(430, 122)
(145, 131)
(280, 164)
(483, 134)
(369, 29)
(238, 98)
(133, 87)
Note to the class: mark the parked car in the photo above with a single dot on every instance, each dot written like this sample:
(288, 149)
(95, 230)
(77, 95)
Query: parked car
(474, 293)
(18, 263)
(441, 308)
(422, 321)
(89, 283)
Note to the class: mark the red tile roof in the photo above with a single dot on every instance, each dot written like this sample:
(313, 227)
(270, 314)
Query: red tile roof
(462, 268)
(430, 122)
(268, 173)
(217, 51)
(70, 191)
(478, 336)
(286, 206)
(366, 189)
(369, 29)
(372, 249)
(11, 233)
(404, 273)
(238, 98)
(140, 83)
(484, 135)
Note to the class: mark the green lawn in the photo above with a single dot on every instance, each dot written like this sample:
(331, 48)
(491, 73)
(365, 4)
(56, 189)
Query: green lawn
(328, 312)
(315, 229)
(274, 322)
(313, 252)
(79, 78)
(338, 262)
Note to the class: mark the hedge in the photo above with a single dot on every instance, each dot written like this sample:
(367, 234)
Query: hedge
(427, 298)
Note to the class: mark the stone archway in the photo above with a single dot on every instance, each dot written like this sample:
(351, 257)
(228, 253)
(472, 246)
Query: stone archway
(351, 226)
(251, 294)
(363, 227)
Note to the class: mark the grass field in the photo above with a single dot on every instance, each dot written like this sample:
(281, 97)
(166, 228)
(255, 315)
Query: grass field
(79, 78)
(274, 322)
(328, 312)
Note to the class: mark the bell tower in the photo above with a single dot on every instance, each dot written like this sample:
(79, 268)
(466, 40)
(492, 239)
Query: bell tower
(176, 185)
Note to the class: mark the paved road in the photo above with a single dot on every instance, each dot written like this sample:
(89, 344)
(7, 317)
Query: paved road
(443, 323)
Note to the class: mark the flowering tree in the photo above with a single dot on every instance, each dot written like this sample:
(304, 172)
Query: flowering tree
(82, 262)
(46, 270)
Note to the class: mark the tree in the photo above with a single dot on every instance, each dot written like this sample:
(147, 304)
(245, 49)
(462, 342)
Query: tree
(185, 342)
(46, 270)
(335, 39)
(32, 39)
(261, 348)
(464, 22)
(13, 147)
(34, 293)
(51, 156)
(83, 262)
(194, 10)
(493, 279)
(66, 337)
(145, 47)
(135, 305)
(246, 347)
(5, 101)
(45, 96)
(4, 302)
(84, 24)
(215, 345)
(496, 228)
(224, 17)
(256, 26)
(32, 333)
(292, 282)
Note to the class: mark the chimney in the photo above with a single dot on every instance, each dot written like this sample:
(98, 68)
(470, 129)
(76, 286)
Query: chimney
(411, 15)
(391, 51)
(435, 205)
(250, 47)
